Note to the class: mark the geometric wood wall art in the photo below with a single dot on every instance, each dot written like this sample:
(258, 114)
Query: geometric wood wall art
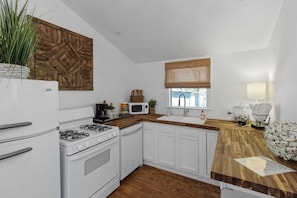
(63, 56)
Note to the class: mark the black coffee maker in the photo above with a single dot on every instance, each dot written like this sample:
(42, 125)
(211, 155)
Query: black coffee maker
(101, 113)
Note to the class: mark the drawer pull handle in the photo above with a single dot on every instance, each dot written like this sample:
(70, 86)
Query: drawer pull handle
(15, 125)
(15, 153)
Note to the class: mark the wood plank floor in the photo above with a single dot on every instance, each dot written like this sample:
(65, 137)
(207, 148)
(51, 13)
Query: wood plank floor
(149, 182)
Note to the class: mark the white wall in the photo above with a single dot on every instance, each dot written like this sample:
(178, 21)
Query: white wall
(109, 64)
(115, 75)
(283, 49)
(229, 75)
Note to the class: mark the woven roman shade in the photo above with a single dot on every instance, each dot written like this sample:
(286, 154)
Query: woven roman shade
(188, 74)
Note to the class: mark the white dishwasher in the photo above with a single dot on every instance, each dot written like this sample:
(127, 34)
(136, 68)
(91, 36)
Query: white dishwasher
(131, 149)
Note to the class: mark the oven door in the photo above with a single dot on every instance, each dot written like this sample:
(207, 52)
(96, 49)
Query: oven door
(87, 174)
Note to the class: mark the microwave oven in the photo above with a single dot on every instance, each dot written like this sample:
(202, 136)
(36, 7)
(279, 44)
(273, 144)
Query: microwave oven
(138, 108)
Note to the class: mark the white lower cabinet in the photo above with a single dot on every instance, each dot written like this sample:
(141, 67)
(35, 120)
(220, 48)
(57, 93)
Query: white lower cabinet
(166, 145)
(183, 150)
(148, 141)
(211, 139)
(188, 149)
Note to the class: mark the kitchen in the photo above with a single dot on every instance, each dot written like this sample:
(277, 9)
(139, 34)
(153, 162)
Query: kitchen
(259, 65)
(271, 63)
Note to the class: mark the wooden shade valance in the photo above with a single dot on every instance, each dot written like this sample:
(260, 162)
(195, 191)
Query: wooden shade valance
(188, 74)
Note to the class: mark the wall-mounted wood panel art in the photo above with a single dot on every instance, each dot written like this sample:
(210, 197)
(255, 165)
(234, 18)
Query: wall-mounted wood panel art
(64, 56)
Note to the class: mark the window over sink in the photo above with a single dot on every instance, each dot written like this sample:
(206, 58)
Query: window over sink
(195, 97)
(190, 78)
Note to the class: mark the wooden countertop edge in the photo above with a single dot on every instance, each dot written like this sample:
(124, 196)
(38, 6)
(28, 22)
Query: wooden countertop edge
(252, 186)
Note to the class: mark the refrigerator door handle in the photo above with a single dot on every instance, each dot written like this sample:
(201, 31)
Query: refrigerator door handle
(15, 153)
(15, 125)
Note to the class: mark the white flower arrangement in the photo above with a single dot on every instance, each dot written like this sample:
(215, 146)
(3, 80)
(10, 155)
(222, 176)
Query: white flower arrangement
(281, 139)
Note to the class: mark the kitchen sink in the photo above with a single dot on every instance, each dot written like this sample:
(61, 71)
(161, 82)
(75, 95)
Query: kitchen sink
(191, 120)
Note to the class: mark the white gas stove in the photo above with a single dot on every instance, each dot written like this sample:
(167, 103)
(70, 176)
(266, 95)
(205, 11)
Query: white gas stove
(82, 137)
(89, 155)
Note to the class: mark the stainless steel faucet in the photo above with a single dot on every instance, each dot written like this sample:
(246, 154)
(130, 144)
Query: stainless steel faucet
(185, 110)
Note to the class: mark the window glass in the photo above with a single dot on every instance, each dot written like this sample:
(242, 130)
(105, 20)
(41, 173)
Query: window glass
(195, 97)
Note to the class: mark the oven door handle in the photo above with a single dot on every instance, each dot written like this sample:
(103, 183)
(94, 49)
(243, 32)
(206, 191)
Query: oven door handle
(15, 153)
(101, 146)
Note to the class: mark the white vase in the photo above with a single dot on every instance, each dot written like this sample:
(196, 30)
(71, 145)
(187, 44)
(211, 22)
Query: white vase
(241, 114)
(14, 71)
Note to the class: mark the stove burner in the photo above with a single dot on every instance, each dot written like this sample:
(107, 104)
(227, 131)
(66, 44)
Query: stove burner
(72, 135)
(96, 127)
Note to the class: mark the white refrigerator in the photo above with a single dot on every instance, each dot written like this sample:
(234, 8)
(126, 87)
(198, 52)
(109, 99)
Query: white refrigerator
(29, 139)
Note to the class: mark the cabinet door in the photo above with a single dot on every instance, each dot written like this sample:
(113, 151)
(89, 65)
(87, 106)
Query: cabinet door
(188, 149)
(212, 137)
(148, 141)
(166, 145)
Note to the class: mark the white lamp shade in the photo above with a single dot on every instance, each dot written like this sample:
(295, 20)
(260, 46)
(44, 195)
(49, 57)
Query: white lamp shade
(256, 91)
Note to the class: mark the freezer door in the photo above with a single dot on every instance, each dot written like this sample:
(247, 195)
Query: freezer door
(30, 167)
(27, 101)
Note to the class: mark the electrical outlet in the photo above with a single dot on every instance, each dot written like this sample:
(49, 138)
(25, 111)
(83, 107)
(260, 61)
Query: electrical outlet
(229, 112)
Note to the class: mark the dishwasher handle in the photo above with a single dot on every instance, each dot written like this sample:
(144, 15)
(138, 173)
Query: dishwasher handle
(15, 125)
(15, 153)
(131, 132)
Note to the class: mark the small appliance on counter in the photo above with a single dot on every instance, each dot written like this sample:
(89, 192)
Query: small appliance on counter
(105, 113)
(138, 108)
(136, 104)
(101, 113)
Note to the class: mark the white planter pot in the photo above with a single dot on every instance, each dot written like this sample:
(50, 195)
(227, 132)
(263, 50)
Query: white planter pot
(13, 71)
(112, 114)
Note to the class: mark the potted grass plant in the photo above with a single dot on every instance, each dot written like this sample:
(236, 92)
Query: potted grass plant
(152, 104)
(18, 39)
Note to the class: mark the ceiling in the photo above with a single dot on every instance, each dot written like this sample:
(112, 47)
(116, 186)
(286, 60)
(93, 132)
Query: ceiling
(156, 30)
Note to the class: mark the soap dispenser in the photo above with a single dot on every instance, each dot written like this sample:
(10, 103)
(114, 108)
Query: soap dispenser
(202, 115)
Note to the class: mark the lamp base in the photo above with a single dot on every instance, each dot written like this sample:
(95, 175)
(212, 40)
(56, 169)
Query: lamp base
(258, 125)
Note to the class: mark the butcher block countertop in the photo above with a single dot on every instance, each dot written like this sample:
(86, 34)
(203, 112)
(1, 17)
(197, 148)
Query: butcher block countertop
(236, 142)
(247, 142)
